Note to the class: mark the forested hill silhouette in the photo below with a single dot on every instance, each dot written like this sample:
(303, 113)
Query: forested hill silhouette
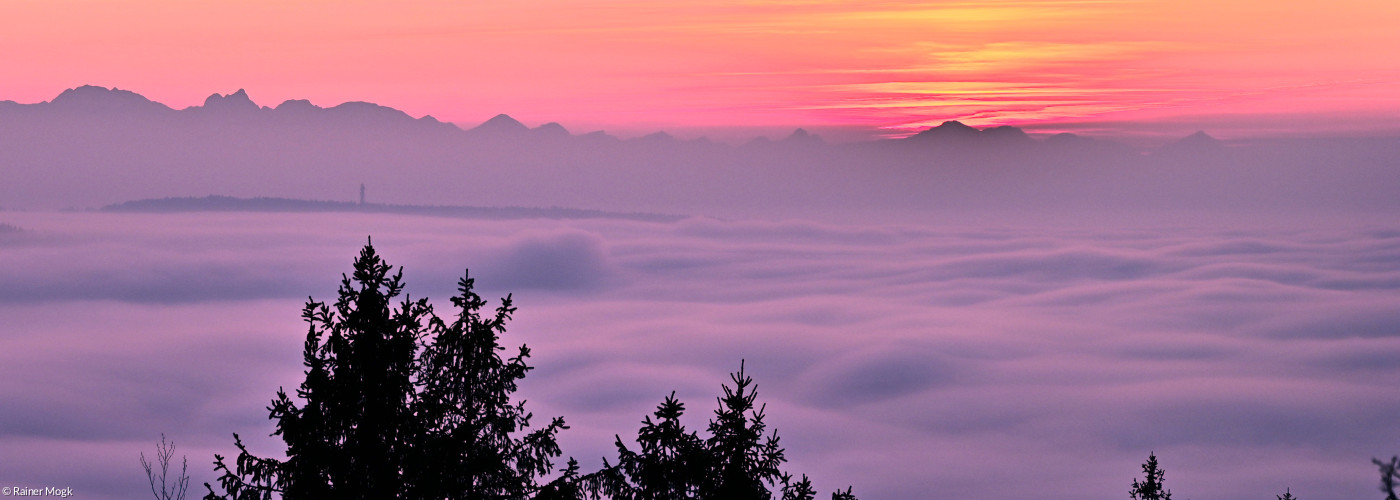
(92, 146)
(215, 203)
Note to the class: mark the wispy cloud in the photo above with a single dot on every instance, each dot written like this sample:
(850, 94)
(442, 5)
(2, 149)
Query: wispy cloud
(637, 66)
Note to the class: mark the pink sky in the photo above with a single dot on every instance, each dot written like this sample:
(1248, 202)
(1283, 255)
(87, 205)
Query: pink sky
(852, 69)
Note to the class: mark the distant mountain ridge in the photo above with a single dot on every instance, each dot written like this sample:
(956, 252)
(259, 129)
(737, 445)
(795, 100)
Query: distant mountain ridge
(238, 106)
(216, 203)
(93, 102)
(96, 99)
(93, 146)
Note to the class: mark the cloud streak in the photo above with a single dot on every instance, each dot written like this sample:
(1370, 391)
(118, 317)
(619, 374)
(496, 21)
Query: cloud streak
(635, 67)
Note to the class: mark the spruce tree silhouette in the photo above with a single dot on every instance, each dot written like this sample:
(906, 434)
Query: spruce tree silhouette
(1287, 495)
(744, 459)
(1151, 486)
(670, 464)
(738, 461)
(396, 403)
(1390, 471)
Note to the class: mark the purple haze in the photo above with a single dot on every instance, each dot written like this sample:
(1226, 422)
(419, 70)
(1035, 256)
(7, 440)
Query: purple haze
(93, 146)
(944, 361)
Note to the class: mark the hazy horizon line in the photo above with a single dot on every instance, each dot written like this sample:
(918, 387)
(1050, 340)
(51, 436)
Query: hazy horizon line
(1136, 134)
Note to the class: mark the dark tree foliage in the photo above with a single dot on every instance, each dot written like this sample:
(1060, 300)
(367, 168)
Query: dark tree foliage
(397, 403)
(1287, 495)
(568, 486)
(1151, 486)
(843, 495)
(799, 490)
(1390, 471)
(740, 460)
(670, 463)
(744, 458)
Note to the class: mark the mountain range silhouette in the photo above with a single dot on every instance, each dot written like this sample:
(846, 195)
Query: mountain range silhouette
(93, 146)
(94, 100)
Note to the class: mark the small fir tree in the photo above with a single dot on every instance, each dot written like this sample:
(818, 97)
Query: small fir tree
(744, 458)
(739, 460)
(1151, 486)
(671, 463)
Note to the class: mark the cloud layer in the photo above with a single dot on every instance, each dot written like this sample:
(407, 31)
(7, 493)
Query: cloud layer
(910, 361)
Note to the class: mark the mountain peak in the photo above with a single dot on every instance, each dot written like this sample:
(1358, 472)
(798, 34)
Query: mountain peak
(950, 128)
(501, 123)
(94, 98)
(1200, 136)
(953, 125)
(235, 102)
(551, 129)
(656, 137)
(1006, 133)
(368, 113)
(955, 134)
(297, 106)
(89, 92)
(1067, 137)
(599, 136)
(1003, 130)
(1198, 140)
(1198, 143)
(801, 136)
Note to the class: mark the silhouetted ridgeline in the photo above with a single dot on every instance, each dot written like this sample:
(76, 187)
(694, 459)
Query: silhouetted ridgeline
(264, 204)
(92, 146)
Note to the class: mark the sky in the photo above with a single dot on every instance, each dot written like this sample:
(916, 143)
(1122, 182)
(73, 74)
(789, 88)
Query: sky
(952, 360)
(733, 69)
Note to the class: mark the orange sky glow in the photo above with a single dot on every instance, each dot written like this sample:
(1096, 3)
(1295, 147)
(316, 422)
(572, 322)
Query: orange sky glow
(734, 68)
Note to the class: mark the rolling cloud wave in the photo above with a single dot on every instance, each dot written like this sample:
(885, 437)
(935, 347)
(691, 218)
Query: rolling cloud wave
(908, 361)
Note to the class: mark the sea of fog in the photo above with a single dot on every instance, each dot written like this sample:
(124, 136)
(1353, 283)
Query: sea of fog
(945, 359)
